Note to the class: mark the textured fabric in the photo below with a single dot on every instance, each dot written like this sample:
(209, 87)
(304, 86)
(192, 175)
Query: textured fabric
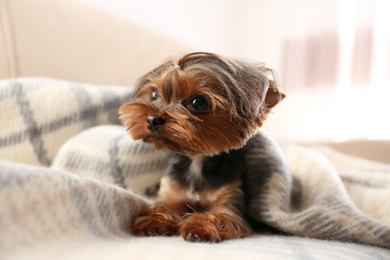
(108, 154)
(316, 204)
(39, 115)
(82, 204)
(47, 208)
(312, 201)
(51, 214)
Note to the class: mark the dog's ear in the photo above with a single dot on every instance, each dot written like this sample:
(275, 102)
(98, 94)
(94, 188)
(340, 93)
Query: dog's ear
(273, 95)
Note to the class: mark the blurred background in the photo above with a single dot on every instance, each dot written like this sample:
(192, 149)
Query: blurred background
(332, 56)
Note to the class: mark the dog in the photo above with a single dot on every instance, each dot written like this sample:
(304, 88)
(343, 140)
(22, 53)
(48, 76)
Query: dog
(207, 109)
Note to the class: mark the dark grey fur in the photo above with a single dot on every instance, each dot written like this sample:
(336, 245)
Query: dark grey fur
(253, 164)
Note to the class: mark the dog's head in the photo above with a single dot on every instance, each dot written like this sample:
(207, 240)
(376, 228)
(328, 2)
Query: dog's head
(200, 103)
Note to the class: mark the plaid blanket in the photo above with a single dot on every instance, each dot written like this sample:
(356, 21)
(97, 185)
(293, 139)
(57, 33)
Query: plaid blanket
(72, 181)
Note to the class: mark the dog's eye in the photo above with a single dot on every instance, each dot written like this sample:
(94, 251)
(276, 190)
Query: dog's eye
(199, 103)
(154, 95)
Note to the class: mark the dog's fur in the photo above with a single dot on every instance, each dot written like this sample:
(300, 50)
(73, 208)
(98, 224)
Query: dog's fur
(206, 109)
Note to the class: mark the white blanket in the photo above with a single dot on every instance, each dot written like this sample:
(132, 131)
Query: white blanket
(71, 190)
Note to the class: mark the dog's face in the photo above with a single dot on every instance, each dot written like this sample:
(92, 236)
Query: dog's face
(200, 104)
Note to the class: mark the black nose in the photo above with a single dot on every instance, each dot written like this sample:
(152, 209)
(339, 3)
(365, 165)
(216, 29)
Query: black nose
(154, 122)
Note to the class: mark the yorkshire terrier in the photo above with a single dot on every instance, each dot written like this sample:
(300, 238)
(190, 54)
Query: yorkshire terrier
(207, 110)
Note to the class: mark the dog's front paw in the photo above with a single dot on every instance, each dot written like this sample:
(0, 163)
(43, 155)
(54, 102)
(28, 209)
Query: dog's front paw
(156, 222)
(213, 227)
(200, 228)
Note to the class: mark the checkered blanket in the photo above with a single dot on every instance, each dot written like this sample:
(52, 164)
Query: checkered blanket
(72, 181)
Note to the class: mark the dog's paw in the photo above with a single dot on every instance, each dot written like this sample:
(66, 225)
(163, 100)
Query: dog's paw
(212, 227)
(154, 226)
(158, 222)
(200, 228)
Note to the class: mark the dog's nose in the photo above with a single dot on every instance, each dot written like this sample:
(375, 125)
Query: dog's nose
(154, 122)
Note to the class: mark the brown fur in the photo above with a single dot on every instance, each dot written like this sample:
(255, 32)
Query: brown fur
(231, 118)
(214, 217)
(239, 96)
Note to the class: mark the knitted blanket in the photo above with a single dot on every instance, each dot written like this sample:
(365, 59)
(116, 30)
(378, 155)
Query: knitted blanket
(70, 175)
